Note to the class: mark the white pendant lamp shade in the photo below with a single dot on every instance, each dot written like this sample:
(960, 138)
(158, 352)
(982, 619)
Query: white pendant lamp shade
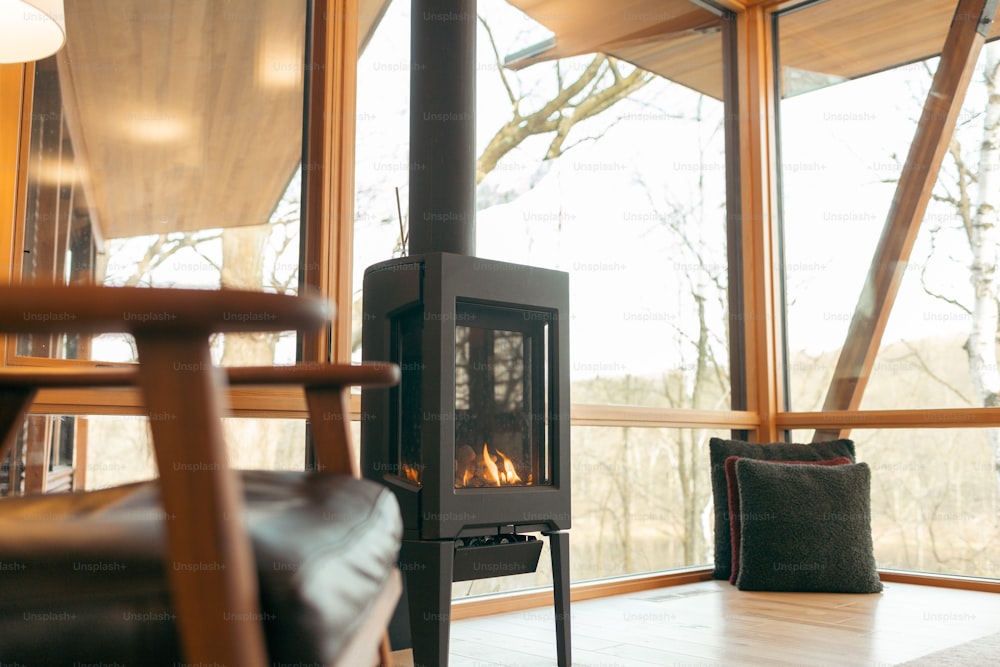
(30, 29)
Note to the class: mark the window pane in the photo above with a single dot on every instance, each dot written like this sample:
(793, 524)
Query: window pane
(158, 160)
(630, 202)
(843, 147)
(120, 450)
(113, 450)
(830, 239)
(934, 499)
(641, 500)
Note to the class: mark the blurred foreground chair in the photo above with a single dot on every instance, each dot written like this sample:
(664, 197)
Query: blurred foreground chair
(204, 565)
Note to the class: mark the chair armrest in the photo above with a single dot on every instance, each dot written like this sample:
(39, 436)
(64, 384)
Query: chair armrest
(317, 375)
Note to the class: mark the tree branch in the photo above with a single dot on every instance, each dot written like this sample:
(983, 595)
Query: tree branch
(514, 101)
(561, 113)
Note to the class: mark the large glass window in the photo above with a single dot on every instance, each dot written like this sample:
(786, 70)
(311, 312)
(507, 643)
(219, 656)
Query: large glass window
(165, 150)
(845, 134)
(616, 175)
(629, 201)
(848, 116)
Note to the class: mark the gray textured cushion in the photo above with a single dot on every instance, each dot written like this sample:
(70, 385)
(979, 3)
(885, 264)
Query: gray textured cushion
(719, 450)
(736, 530)
(806, 528)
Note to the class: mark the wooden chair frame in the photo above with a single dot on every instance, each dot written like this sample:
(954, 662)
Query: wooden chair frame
(176, 377)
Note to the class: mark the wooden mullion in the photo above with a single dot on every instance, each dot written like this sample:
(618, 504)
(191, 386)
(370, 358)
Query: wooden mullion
(313, 345)
(755, 87)
(81, 451)
(736, 294)
(343, 104)
(38, 450)
(836, 421)
(13, 92)
(12, 78)
(916, 183)
(329, 178)
(628, 416)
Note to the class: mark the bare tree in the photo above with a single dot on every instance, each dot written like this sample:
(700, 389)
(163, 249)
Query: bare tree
(974, 195)
(598, 87)
(984, 239)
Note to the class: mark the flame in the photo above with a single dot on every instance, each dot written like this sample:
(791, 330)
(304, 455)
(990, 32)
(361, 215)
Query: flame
(486, 469)
(411, 473)
(509, 475)
(492, 473)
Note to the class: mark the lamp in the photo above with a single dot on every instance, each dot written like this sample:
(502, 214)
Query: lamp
(30, 29)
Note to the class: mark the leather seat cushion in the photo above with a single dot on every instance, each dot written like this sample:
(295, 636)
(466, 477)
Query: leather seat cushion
(84, 574)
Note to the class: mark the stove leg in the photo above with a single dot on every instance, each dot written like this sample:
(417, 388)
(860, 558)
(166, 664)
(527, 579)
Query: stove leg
(559, 547)
(429, 566)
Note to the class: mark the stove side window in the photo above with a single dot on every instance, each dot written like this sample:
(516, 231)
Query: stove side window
(409, 334)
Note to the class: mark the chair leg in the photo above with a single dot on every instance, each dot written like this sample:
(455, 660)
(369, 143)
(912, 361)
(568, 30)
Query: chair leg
(213, 577)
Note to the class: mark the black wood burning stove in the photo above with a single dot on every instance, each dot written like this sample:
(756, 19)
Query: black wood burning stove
(475, 439)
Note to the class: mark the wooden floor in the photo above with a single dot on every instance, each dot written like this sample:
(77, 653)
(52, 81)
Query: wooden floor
(712, 623)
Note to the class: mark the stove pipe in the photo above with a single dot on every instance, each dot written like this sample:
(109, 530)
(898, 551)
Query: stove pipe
(443, 127)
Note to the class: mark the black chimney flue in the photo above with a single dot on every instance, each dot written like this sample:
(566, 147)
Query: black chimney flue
(443, 127)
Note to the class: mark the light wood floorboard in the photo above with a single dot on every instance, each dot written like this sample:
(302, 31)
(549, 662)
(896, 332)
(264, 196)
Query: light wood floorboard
(711, 623)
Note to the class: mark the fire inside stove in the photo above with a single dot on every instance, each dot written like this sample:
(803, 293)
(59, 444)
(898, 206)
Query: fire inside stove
(486, 469)
(501, 399)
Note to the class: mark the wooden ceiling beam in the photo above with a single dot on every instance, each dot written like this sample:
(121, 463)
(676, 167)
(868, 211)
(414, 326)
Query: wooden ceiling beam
(934, 130)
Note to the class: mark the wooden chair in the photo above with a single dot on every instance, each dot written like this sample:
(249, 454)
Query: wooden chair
(213, 566)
